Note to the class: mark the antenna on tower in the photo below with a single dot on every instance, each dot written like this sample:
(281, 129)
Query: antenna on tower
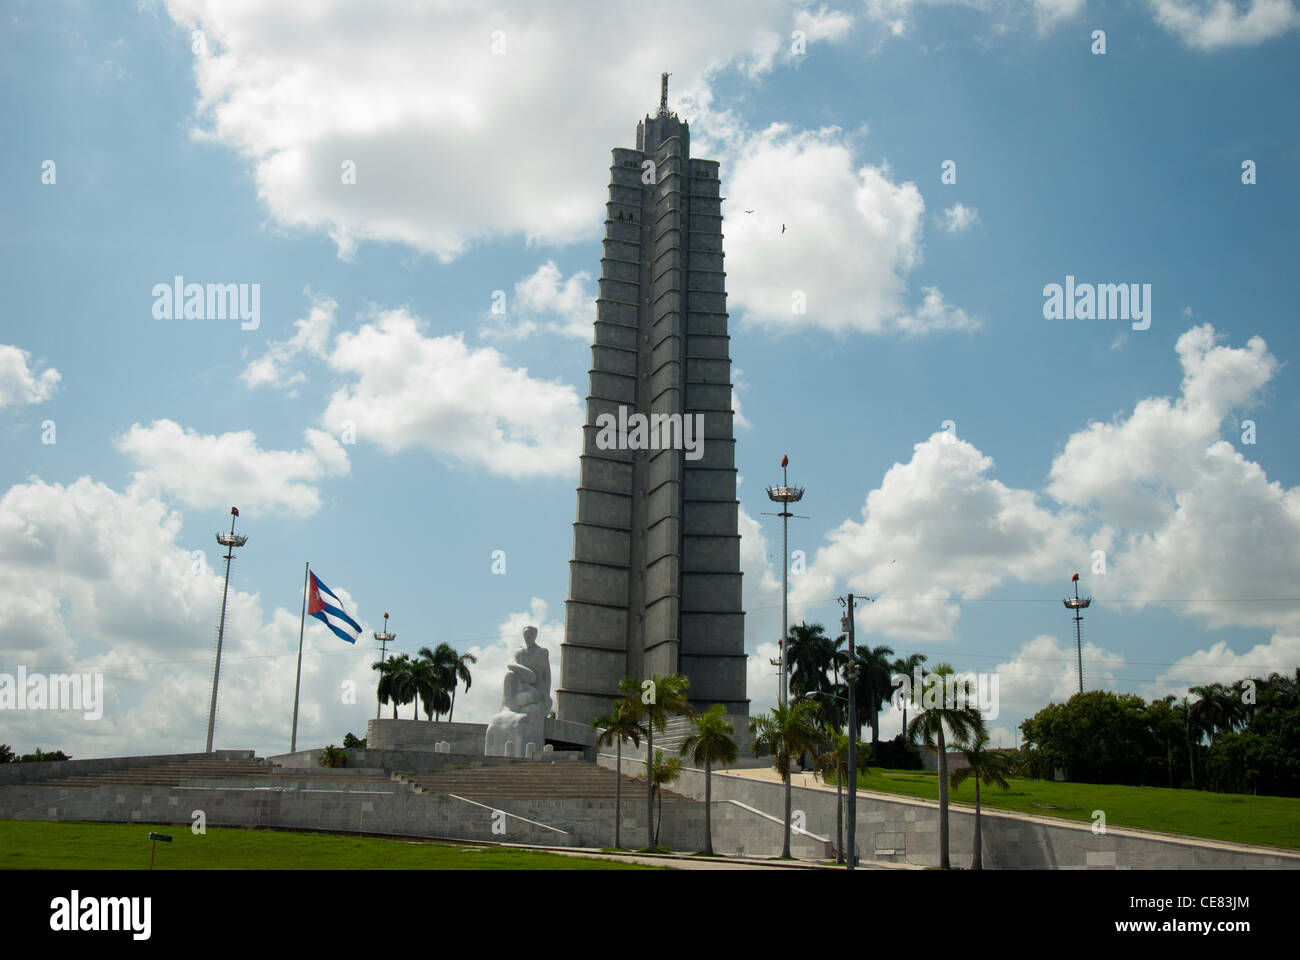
(663, 94)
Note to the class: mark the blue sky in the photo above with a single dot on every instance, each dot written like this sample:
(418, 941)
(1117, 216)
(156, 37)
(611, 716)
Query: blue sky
(480, 171)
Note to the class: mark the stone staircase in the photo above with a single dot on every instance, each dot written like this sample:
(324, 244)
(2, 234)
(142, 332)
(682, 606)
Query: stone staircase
(536, 780)
(215, 769)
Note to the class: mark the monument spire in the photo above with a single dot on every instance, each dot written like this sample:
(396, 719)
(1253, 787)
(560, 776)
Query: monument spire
(655, 581)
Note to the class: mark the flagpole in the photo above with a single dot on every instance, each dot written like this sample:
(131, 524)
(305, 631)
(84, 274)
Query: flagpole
(297, 685)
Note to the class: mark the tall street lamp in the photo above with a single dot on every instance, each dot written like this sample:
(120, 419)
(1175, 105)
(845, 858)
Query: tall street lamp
(784, 495)
(384, 638)
(229, 541)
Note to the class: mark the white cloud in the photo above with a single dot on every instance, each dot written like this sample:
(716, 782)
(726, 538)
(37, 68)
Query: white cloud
(1215, 24)
(898, 15)
(545, 293)
(737, 385)
(762, 679)
(19, 384)
(824, 24)
(484, 697)
(761, 600)
(1045, 670)
(1221, 664)
(1049, 13)
(938, 526)
(934, 315)
(311, 337)
(1180, 499)
(213, 471)
(844, 237)
(453, 143)
(959, 218)
(99, 581)
(437, 394)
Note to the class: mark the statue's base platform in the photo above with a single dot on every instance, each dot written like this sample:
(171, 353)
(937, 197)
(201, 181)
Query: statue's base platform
(466, 738)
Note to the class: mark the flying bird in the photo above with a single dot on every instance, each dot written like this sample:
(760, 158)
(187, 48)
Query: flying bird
(783, 228)
(749, 211)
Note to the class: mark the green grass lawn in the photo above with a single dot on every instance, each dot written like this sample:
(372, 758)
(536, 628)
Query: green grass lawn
(39, 845)
(1271, 821)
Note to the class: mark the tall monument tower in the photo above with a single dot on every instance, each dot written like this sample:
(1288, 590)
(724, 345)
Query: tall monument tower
(654, 584)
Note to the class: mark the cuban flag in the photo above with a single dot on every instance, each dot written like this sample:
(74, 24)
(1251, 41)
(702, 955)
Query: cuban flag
(328, 609)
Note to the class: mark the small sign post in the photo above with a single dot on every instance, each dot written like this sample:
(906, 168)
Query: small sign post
(155, 837)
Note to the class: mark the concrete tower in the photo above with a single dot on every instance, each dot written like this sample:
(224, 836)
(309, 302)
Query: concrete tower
(654, 584)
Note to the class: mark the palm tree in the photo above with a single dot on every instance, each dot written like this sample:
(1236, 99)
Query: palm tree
(907, 667)
(831, 760)
(809, 652)
(398, 681)
(989, 767)
(787, 732)
(1205, 711)
(619, 725)
(928, 729)
(426, 685)
(387, 690)
(463, 675)
(834, 694)
(443, 660)
(667, 696)
(1189, 721)
(665, 771)
(710, 743)
(873, 684)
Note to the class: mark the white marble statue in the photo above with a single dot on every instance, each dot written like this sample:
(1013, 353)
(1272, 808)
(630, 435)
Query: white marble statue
(525, 702)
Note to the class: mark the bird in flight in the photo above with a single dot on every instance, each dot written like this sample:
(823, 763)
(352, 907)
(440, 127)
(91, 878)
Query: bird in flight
(783, 228)
(749, 211)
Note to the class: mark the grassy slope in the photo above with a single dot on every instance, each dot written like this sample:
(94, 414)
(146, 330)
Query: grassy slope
(32, 844)
(1271, 821)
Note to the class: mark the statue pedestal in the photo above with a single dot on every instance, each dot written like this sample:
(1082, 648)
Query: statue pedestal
(510, 733)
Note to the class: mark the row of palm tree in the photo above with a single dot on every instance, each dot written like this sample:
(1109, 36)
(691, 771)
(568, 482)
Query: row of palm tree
(645, 707)
(430, 679)
(787, 732)
(817, 666)
(804, 727)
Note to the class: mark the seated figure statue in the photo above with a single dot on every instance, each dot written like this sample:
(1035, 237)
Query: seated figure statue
(525, 702)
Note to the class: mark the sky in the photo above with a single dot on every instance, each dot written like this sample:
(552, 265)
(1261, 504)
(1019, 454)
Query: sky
(417, 192)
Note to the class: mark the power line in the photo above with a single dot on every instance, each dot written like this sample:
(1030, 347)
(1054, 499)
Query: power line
(558, 630)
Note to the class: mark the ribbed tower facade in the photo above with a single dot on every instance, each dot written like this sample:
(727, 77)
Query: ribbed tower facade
(654, 584)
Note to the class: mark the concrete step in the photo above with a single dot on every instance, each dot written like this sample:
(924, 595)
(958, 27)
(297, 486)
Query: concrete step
(540, 781)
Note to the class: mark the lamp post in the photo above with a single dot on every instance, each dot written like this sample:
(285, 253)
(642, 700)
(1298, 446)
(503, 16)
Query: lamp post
(229, 541)
(1077, 603)
(384, 638)
(839, 792)
(851, 674)
(784, 495)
